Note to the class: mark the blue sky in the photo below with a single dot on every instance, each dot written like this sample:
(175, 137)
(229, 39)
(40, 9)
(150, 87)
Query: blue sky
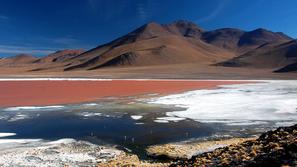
(40, 27)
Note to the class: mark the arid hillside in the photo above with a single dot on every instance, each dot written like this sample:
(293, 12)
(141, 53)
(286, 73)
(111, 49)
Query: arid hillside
(176, 48)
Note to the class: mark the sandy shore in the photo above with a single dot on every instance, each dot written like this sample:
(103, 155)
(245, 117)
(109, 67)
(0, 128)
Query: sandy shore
(37, 92)
(187, 150)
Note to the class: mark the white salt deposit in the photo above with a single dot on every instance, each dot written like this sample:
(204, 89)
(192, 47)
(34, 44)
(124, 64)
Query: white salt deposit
(136, 117)
(18, 117)
(17, 141)
(32, 108)
(266, 101)
(161, 121)
(173, 119)
(90, 104)
(89, 114)
(7, 134)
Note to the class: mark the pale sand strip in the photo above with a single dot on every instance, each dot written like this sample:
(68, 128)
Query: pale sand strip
(187, 150)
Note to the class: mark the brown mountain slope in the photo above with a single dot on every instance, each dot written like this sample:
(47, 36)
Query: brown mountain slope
(20, 59)
(272, 56)
(178, 44)
(55, 61)
(226, 38)
(261, 36)
(153, 44)
(60, 56)
(184, 28)
(240, 41)
(90, 57)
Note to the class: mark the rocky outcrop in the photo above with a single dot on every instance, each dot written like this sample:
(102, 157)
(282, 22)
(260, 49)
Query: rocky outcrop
(273, 148)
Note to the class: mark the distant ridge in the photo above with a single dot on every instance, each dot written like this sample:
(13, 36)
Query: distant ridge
(281, 57)
(17, 60)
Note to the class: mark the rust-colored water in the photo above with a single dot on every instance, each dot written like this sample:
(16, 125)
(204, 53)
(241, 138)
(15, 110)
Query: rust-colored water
(36, 93)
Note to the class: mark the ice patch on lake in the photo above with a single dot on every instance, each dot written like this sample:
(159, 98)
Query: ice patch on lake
(4, 117)
(89, 114)
(32, 108)
(18, 117)
(168, 119)
(237, 104)
(7, 134)
(285, 123)
(161, 121)
(90, 104)
(17, 141)
(12, 114)
(136, 117)
(246, 123)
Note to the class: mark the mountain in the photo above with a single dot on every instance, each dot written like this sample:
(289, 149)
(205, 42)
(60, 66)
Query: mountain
(178, 45)
(175, 43)
(30, 63)
(227, 38)
(20, 59)
(152, 44)
(60, 56)
(281, 57)
(261, 36)
(239, 41)
(185, 28)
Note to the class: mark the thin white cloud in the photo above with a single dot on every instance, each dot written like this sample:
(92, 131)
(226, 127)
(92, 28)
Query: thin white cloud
(141, 10)
(213, 14)
(2, 17)
(11, 49)
(146, 9)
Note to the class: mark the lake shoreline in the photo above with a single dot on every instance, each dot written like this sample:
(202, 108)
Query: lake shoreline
(173, 123)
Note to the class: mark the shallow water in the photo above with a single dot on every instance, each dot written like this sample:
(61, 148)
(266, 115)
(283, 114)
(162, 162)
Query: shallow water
(231, 111)
(105, 123)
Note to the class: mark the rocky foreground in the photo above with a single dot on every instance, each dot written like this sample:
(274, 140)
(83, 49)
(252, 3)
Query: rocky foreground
(273, 148)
